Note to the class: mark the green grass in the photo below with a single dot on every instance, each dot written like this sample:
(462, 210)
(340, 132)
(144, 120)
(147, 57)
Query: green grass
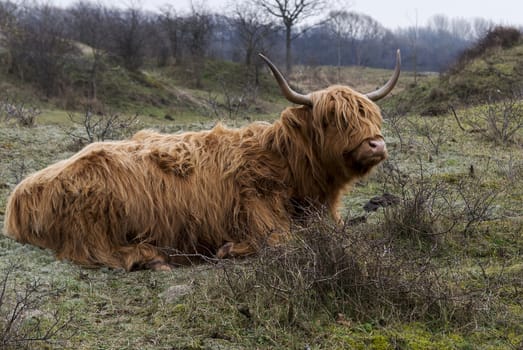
(115, 310)
(111, 309)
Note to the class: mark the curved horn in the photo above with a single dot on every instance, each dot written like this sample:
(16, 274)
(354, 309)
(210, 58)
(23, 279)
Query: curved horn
(289, 93)
(385, 89)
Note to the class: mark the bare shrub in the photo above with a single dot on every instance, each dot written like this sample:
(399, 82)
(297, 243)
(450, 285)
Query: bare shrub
(431, 208)
(425, 210)
(416, 218)
(503, 119)
(432, 132)
(476, 200)
(396, 267)
(19, 169)
(23, 323)
(100, 127)
(512, 170)
(498, 118)
(23, 115)
(233, 103)
(395, 120)
(340, 270)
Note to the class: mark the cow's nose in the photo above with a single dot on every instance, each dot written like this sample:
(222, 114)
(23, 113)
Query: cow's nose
(377, 145)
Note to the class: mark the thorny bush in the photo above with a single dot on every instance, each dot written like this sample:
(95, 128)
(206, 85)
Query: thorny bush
(23, 323)
(20, 113)
(100, 127)
(391, 268)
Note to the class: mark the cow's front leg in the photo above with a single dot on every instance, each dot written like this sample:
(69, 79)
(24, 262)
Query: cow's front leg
(246, 248)
(267, 224)
(143, 257)
(231, 250)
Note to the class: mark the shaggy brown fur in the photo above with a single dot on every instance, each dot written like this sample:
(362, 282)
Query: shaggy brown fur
(221, 192)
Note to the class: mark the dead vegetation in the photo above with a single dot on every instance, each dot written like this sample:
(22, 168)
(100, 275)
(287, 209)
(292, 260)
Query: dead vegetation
(402, 266)
(23, 321)
(499, 118)
(231, 103)
(439, 268)
(20, 113)
(444, 256)
(99, 126)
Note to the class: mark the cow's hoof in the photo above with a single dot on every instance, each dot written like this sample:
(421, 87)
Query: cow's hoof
(225, 251)
(159, 265)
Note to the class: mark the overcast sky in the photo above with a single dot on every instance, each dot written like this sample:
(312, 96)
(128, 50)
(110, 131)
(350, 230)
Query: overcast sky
(391, 14)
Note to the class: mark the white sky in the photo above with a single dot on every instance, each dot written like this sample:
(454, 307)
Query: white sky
(403, 12)
(390, 13)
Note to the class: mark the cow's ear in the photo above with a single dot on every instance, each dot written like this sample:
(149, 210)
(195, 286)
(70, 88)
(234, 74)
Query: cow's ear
(293, 123)
(296, 118)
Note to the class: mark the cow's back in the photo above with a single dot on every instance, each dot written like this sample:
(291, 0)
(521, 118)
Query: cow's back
(184, 192)
(77, 207)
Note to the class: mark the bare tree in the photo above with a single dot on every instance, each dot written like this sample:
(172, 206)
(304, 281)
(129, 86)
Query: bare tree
(35, 39)
(89, 27)
(128, 35)
(413, 38)
(439, 23)
(197, 28)
(366, 29)
(481, 27)
(171, 25)
(7, 29)
(354, 27)
(342, 28)
(254, 30)
(291, 13)
(461, 28)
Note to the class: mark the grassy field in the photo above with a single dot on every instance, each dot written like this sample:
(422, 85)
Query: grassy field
(442, 269)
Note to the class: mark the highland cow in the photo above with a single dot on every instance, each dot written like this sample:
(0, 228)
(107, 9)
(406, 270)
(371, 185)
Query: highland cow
(155, 199)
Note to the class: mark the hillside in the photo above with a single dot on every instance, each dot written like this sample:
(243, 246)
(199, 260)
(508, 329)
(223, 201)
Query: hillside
(176, 92)
(152, 92)
(493, 72)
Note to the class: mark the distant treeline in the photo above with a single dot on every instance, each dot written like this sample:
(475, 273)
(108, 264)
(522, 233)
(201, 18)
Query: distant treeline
(38, 40)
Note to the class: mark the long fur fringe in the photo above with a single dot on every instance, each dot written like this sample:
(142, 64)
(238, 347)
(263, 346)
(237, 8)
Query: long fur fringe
(128, 203)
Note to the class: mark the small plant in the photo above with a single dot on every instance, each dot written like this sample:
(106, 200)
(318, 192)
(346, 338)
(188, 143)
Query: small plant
(232, 105)
(22, 322)
(503, 119)
(359, 271)
(432, 132)
(19, 112)
(100, 127)
(498, 118)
